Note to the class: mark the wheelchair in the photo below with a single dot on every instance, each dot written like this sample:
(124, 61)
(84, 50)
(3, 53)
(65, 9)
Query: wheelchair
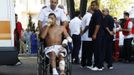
(43, 65)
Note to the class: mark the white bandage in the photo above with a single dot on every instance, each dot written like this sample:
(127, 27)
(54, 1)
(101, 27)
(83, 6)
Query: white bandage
(62, 54)
(69, 39)
(62, 65)
(65, 42)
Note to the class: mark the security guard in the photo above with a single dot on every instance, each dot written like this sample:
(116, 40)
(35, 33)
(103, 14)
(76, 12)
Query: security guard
(108, 22)
(52, 8)
(96, 31)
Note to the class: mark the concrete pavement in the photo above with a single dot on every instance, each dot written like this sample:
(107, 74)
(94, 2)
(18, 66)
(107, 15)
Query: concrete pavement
(29, 67)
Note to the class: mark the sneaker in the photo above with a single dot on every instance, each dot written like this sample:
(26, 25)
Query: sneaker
(96, 69)
(103, 68)
(89, 67)
(111, 67)
(82, 66)
(18, 63)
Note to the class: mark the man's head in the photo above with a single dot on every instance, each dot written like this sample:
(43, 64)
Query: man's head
(115, 19)
(126, 15)
(90, 9)
(16, 18)
(105, 12)
(94, 5)
(53, 4)
(52, 17)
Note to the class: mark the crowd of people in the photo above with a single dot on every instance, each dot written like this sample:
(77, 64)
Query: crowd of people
(96, 34)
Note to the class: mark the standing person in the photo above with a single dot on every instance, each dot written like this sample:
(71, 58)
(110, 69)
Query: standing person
(87, 51)
(18, 31)
(27, 35)
(128, 37)
(109, 25)
(116, 48)
(52, 8)
(96, 31)
(75, 30)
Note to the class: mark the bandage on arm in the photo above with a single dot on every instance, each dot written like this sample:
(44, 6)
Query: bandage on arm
(69, 39)
(65, 41)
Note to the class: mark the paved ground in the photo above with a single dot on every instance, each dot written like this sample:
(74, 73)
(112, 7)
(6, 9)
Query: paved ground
(29, 68)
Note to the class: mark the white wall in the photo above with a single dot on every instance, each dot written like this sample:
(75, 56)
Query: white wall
(7, 14)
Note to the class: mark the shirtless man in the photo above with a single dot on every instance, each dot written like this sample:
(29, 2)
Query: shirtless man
(53, 33)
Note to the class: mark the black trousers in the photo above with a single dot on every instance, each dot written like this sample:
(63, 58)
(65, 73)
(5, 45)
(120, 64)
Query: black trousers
(18, 48)
(128, 48)
(87, 53)
(76, 47)
(98, 47)
(108, 51)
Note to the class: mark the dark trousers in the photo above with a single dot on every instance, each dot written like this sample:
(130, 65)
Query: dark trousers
(18, 48)
(128, 48)
(87, 53)
(108, 51)
(76, 47)
(98, 47)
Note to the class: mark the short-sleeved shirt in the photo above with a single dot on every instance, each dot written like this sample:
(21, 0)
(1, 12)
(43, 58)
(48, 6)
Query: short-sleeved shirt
(108, 21)
(85, 22)
(60, 15)
(96, 19)
(74, 26)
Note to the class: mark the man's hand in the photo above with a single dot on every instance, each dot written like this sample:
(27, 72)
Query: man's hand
(94, 37)
(49, 22)
(65, 42)
(111, 33)
(81, 33)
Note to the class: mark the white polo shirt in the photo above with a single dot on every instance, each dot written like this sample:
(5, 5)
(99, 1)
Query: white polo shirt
(75, 26)
(130, 25)
(60, 15)
(85, 22)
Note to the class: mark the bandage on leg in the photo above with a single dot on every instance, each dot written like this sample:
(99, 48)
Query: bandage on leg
(62, 65)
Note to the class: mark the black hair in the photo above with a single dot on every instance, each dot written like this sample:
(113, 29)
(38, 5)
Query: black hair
(52, 14)
(126, 14)
(16, 14)
(115, 18)
(96, 2)
(77, 13)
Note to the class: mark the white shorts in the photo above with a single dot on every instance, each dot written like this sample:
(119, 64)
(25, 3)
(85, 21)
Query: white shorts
(57, 49)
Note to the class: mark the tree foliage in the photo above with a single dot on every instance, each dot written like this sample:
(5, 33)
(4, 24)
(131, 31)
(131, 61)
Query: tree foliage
(116, 7)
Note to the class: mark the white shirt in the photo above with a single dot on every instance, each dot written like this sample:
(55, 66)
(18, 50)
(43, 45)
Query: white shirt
(130, 25)
(75, 26)
(116, 29)
(85, 22)
(60, 15)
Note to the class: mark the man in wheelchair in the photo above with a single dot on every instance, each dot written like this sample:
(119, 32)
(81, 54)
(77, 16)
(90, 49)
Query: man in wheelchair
(55, 47)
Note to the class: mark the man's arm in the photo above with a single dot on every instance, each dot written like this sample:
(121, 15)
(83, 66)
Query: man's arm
(98, 17)
(65, 32)
(85, 29)
(130, 25)
(66, 35)
(97, 27)
(40, 24)
(44, 32)
(110, 32)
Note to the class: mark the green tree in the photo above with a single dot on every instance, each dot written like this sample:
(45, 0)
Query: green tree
(116, 7)
(31, 25)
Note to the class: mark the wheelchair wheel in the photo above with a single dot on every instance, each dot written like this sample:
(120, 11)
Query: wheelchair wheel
(40, 67)
(68, 67)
